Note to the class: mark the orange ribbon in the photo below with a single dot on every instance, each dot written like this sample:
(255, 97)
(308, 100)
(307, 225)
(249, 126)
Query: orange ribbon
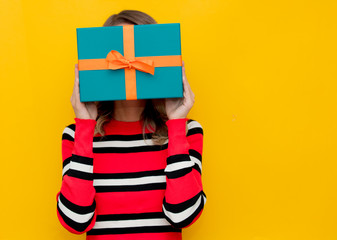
(117, 61)
(114, 60)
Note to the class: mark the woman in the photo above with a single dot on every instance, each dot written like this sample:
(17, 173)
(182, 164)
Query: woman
(131, 169)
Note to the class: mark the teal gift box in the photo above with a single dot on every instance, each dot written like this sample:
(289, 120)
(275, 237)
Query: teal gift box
(129, 62)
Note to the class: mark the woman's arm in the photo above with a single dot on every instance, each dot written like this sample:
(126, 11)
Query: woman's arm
(184, 196)
(75, 201)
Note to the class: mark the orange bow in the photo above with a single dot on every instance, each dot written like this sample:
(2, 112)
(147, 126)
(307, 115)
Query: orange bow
(117, 61)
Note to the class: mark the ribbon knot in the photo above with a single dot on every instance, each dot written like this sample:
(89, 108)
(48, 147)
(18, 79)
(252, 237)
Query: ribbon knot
(127, 62)
(116, 60)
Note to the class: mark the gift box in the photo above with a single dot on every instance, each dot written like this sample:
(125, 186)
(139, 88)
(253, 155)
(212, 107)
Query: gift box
(129, 62)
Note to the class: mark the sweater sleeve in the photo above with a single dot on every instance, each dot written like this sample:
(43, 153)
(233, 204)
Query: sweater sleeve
(184, 196)
(75, 200)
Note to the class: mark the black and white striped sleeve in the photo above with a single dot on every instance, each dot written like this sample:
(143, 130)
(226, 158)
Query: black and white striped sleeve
(75, 201)
(184, 197)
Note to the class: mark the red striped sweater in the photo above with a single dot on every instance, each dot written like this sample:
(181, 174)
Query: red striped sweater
(121, 187)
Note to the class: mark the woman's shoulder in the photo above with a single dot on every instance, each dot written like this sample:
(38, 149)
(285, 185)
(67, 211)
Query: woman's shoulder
(193, 127)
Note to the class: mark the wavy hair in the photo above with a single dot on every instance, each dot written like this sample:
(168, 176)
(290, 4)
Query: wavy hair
(154, 114)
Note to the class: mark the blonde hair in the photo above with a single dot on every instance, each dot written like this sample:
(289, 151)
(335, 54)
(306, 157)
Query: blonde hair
(154, 114)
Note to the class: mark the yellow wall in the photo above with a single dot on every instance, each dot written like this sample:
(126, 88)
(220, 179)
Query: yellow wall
(264, 74)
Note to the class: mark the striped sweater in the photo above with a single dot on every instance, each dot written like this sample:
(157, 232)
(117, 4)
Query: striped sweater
(122, 187)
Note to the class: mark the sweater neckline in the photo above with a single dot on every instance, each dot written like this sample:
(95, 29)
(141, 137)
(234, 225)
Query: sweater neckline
(128, 124)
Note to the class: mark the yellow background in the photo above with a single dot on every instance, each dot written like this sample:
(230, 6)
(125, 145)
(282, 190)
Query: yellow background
(264, 75)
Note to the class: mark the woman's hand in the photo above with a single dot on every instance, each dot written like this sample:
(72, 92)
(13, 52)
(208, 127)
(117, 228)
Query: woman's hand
(179, 107)
(87, 110)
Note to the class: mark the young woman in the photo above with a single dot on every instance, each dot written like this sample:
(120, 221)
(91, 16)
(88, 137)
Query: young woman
(131, 169)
